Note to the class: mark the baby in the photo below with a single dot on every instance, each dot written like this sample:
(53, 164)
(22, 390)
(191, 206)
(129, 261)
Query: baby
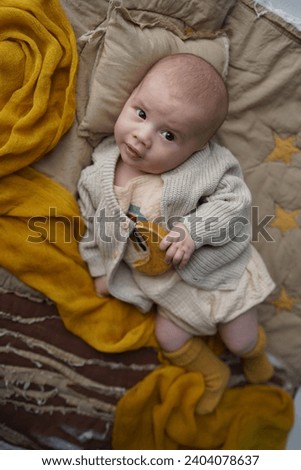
(162, 169)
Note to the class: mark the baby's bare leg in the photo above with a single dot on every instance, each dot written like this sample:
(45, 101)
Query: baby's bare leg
(240, 334)
(170, 336)
(246, 339)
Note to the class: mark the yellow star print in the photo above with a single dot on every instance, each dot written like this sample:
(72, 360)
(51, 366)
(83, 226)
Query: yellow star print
(285, 220)
(284, 149)
(284, 301)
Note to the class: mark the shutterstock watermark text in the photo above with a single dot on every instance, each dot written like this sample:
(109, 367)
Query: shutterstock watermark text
(108, 228)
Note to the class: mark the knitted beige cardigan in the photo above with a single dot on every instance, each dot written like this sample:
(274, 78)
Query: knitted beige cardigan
(207, 192)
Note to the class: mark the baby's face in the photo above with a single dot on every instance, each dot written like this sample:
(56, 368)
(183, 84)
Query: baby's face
(156, 131)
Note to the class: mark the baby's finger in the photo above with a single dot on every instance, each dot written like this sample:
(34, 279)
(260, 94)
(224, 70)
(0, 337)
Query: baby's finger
(170, 253)
(178, 257)
(164, 244)
(184, 260)
(170, 238)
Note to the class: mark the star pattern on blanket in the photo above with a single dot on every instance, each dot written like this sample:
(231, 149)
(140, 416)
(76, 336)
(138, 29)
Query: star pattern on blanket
(284, 149)
(284, 301)
(285, 220)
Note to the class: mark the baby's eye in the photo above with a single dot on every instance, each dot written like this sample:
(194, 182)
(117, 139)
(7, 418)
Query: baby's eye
(141, 113)
(168, 135)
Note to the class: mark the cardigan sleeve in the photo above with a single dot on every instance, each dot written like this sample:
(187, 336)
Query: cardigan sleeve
(224, 215)
(88, 247)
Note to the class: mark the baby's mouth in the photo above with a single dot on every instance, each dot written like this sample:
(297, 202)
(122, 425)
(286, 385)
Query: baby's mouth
(133, 152)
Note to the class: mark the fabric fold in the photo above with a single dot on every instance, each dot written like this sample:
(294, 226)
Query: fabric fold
(38, 63)
(159, 414)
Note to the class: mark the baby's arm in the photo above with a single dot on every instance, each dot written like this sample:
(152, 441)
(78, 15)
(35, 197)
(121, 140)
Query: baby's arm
(223, 216)
(88, 247)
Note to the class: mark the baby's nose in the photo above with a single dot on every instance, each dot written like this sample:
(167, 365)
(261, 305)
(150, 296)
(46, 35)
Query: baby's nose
(144, 134)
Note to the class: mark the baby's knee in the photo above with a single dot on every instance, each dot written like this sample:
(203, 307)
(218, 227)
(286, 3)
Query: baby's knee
(163, 338)
(169, 336)
(240, 335)
(243, 344)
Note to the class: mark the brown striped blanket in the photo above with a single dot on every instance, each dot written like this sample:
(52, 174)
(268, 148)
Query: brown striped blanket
(56, 392)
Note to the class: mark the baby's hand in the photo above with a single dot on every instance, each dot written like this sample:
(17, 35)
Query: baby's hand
(101, 286)
(179, 245)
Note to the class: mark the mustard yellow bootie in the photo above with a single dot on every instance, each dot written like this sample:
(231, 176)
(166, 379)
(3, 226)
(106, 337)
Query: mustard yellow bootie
(256, 365)
(195, 355)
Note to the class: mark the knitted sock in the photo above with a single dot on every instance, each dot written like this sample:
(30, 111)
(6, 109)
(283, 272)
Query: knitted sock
(195, 355)
(256, 365)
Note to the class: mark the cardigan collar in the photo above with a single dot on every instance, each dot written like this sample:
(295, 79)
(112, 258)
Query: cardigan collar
(109, 154)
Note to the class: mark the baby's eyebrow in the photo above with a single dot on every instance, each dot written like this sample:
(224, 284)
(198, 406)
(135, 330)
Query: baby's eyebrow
(176, 125)
(138, 103)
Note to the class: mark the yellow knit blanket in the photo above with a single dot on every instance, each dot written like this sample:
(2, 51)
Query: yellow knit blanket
(40, 226)
(37, 70)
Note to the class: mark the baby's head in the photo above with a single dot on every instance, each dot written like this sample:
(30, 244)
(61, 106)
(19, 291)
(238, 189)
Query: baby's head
(196, 85)
(173, 112)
